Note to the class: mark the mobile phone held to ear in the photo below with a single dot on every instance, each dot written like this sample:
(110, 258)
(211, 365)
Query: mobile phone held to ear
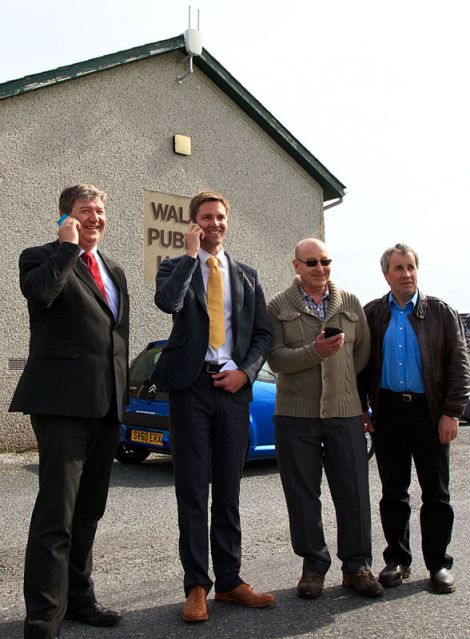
(331, 331)
(61, 219)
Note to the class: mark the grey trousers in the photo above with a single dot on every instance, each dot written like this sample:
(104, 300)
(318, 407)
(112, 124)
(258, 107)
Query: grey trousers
(304, 447)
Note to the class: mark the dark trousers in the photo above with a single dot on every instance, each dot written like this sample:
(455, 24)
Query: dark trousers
(404, 431)
(303, 447)
(75, 460)
(209, 440)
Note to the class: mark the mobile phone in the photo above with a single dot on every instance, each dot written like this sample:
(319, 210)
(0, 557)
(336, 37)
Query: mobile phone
(61, 219)
(331, 331)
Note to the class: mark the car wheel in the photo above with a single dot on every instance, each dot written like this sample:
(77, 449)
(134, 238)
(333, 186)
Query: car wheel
(128, 455)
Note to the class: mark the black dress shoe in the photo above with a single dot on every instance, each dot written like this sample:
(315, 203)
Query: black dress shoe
(442, 581)
(94, 615)
(393, 574)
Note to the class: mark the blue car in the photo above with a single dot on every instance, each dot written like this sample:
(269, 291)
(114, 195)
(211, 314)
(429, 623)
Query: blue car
(145, 428)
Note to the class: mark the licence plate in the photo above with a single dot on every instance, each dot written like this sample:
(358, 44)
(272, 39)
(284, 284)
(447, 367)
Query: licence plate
(146, 437)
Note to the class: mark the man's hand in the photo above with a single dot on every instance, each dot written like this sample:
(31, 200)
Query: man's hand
(328, 347)
(192, 239)
(368, 425)
(68, 230)
(230, 381)
(448, 429)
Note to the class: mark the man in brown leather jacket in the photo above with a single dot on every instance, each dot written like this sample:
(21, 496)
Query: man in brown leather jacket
(416, 383)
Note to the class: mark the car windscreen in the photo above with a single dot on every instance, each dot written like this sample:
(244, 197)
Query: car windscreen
(144, 364)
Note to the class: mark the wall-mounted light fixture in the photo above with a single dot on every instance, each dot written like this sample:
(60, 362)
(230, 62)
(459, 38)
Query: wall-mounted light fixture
(182, 144)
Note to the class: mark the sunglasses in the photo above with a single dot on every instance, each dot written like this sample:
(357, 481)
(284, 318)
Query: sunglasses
(313, 262)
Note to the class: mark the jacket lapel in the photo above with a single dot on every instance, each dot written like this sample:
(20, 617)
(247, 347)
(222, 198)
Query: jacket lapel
(85, 276)
(237, 292)
(198, 285)
(119, 283)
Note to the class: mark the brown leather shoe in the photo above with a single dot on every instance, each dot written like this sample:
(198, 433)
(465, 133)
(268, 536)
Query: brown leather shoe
(364, 582)
(195, 607)
(310, 585)
(246, 596)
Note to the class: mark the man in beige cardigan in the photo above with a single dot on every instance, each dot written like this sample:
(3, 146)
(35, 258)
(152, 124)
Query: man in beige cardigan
(319, 421)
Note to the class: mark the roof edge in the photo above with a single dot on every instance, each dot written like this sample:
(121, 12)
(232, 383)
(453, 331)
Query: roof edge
(70, 72)
(332, 187)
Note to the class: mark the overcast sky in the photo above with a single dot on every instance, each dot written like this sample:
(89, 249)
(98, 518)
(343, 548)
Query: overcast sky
(376, 90)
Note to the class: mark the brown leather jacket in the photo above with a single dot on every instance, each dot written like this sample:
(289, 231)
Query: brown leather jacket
(445, 359)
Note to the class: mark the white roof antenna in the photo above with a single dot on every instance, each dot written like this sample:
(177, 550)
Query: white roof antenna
(193, 45)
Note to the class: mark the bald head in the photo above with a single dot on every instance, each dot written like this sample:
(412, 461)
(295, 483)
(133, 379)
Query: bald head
(309, 244)
(312, 265)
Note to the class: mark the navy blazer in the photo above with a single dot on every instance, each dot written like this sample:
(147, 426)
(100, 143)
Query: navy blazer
(180, 291)
(78, 353)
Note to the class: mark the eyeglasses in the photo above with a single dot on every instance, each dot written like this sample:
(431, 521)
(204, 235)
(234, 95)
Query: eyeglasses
(313, 262)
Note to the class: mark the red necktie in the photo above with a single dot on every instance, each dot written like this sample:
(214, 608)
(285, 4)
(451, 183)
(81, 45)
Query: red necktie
(92, 264)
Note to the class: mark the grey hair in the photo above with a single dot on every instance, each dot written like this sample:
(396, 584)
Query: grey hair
(398, 248)
(77, 192)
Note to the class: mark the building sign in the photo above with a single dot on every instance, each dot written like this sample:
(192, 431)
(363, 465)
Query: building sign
(166, 219)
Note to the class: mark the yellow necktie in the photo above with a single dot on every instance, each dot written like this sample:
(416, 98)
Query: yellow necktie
(215, 304)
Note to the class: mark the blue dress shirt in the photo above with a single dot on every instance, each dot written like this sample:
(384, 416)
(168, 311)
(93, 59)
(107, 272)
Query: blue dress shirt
(402, 368)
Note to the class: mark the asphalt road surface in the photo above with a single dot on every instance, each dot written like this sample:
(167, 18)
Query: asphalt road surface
(137, 570)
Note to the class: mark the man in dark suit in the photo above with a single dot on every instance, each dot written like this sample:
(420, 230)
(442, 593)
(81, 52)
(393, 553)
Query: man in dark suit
(219, 341)
(73, 386)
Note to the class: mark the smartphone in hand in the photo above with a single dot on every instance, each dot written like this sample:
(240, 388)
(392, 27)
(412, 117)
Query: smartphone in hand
(331, 331)
(61, 219)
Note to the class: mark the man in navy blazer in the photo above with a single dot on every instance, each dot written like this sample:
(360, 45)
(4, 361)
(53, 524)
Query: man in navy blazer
(74, 386)
(210, 390)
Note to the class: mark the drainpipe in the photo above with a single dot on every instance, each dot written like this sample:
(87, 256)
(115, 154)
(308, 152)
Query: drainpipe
(335, 203)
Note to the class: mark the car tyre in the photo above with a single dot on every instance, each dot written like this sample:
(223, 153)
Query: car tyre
(129, 455)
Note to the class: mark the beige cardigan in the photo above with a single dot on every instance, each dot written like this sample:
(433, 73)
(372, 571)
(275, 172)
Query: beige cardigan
(309, 385)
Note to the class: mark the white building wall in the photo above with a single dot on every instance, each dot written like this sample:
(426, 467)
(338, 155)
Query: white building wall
(115, 129)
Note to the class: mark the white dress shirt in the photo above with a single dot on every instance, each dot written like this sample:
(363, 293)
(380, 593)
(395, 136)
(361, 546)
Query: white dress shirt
(222, 355)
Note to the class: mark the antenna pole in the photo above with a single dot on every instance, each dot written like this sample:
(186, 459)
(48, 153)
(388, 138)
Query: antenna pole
(193, 44)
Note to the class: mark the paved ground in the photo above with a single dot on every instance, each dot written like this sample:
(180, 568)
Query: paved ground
(137, 569)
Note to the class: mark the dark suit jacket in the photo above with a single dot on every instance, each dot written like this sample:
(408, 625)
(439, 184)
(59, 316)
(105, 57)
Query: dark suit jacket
(78, 354)
(180, 291)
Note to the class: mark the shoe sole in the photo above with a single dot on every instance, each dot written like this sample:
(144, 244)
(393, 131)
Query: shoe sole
(364, 593)
(222, 599)
(442, 590)
(98, 624)
(309, 594)
(190, 620)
